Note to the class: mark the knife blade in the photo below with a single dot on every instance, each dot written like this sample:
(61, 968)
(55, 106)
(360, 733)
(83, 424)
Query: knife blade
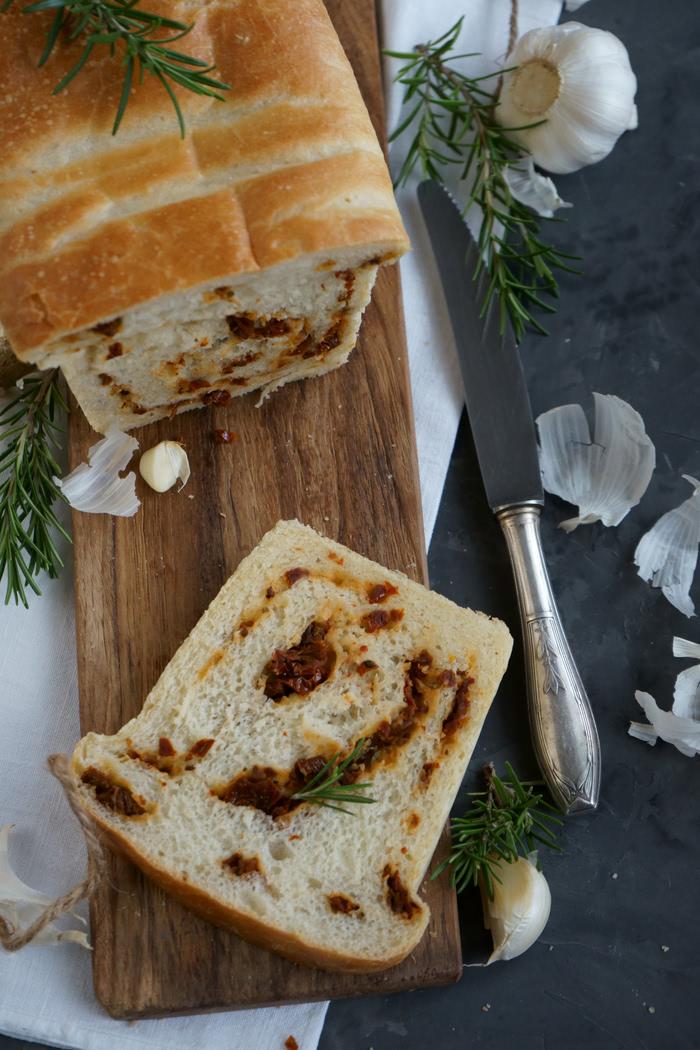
(563, 728)
(494, 385)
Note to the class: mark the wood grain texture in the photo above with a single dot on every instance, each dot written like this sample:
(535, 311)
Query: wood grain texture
(339, 454)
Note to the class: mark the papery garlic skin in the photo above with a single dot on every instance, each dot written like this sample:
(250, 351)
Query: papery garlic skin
(686, 694)
(532, 189)
(21, 905)
(163, 465)
(667, 555)
(681, 725)
(519, 911)
(604, 475)
(679, 730)
(579, 82)
(96, 487)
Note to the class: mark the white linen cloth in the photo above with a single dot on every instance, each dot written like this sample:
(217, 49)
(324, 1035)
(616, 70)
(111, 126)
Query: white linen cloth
(46, 992)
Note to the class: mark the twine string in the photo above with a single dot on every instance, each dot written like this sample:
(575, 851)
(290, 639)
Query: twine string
(512, 37)
(11, 938)
(513, 31)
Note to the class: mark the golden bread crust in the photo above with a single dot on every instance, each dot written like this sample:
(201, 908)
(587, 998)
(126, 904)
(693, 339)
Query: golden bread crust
(250, 929)
(92, 225)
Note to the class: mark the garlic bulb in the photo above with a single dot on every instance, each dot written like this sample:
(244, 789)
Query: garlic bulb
(519, 910)
(577, 81)
(163, 465)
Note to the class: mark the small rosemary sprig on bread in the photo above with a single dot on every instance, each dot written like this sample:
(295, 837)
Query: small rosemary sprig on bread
(506, 821)
(454, 123)
(139, 38)
(28, 491)
(327, 789)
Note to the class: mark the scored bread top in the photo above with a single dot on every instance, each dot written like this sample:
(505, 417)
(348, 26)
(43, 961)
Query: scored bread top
(307, 650)
(92, 225)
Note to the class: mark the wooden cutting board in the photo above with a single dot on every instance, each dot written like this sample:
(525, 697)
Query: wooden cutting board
(339, 454)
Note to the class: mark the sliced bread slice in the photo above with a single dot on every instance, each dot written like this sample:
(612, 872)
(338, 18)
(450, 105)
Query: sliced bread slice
(307, 650)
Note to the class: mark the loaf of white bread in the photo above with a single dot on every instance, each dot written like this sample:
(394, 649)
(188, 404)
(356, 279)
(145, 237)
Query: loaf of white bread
(307, 650)
(163, 273)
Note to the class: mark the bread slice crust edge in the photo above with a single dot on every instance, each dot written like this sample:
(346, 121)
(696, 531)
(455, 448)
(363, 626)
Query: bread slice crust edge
(260, 933)
(287, 540)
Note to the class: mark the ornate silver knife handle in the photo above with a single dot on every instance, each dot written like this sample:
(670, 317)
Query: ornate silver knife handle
(563, 728)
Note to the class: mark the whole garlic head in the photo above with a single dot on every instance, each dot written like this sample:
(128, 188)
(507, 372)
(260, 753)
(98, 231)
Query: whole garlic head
(579, 81)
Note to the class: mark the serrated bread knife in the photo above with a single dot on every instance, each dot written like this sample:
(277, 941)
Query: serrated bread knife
(563, 729)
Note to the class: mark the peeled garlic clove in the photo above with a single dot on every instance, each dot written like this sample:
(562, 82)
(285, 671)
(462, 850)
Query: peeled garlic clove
(519, 911)
(163, 465)
(575, 83)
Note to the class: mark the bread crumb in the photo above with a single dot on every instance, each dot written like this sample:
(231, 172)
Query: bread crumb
(485, 1008)
(665, 948)
(291, 1043)
(614, 875)
(651, 1009)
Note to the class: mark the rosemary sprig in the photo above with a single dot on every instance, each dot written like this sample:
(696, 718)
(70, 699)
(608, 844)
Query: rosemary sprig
(503, 823)
(327, 789)
(453, 118)
(137, 36)
(28, 491)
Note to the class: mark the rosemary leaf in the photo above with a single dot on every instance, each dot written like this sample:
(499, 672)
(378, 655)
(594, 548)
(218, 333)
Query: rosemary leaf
(503, 823)
(327, 789)
(120, 24)
(453, 121)
(28, 525)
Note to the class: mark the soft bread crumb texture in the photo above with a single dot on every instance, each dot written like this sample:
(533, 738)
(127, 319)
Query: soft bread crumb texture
(307, 649)
(123, 257)
(206, 346)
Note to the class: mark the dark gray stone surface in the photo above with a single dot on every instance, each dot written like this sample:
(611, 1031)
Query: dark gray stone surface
(629, 327)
